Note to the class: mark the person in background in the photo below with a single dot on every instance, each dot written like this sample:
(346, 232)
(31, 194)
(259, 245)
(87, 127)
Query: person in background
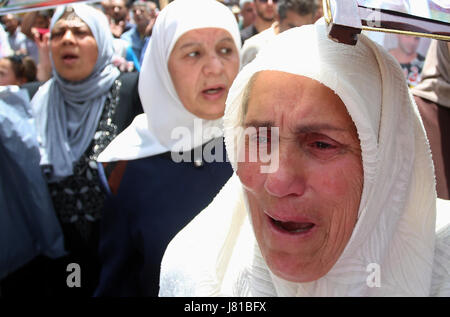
(291, 13)
(117, 12)
(106, 7)
(78, 112)
(17, 40)
(144, 16)
(35, 25)
(247, 13)
(155, 12)
(5, 49)
(408, 57)
(28, 223)
(158, 180)
(17, 70)
(265, 16)
(432, 96)
(319, 10)
(119, 17)
(236, 10)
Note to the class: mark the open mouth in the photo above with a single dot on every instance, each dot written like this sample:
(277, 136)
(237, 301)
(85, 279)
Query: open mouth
(69, 57)
(214, 90)
(292, 227)
(214, 93)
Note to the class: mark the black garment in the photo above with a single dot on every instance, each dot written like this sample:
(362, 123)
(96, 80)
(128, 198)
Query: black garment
(78, 201)
(248, 32)
(154, 199)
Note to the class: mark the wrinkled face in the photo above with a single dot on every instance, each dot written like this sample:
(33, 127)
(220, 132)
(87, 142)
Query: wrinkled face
(294, 19)
(266, 9)
(408, 44)
(74, 49)
(203, 65)
(304, 213)
(7, 75)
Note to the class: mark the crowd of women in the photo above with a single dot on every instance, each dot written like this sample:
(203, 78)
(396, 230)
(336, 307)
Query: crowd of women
(354, 181)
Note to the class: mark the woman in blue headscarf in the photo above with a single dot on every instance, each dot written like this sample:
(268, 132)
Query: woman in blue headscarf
(78, 113)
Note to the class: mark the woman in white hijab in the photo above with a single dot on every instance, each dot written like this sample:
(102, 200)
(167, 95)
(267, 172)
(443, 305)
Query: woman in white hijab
(349, 208)
(158, 171)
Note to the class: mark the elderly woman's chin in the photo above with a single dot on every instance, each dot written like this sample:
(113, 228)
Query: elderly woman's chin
(207, 109)
(213, 112)
(290, 268)
(213, 107)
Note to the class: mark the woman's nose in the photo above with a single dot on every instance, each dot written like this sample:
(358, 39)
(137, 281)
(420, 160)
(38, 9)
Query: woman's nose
(289, 178)
(213, 65)
(68, 37)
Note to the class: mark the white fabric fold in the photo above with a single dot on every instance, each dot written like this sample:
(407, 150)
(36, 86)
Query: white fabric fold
(397, 214)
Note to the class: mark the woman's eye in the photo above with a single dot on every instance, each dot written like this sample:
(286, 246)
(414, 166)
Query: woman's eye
(193, 54)
(81, 32)
(323, 149)
(261, 137)
(225, 50)
(56, 34)
(322, 145)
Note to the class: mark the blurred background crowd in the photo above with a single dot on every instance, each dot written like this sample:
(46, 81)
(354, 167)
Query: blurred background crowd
(24, 37)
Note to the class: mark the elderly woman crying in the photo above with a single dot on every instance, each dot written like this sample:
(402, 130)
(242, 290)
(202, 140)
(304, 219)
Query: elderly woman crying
(350, 207)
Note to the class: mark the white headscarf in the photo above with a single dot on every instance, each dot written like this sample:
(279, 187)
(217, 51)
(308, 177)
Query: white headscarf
(396, 219)
(150, 133)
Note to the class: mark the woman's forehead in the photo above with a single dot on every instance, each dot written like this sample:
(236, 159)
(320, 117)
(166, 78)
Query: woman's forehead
(71, 23)
(275, 92)
(70, 19)
(203, 36)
